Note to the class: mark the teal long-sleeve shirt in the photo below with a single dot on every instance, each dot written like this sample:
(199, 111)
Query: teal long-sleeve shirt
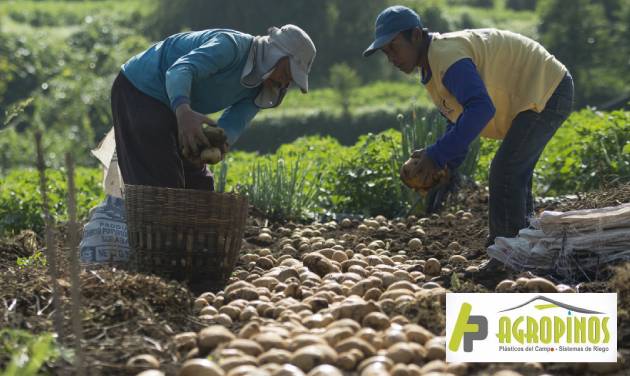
(202, 68)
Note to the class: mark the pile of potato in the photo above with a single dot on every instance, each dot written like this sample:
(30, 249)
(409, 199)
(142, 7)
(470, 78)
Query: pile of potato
(327, 307)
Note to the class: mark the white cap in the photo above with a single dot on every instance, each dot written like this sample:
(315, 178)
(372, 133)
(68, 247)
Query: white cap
(299, 48)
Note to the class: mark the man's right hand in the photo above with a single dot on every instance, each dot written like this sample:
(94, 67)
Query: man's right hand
(189, 130)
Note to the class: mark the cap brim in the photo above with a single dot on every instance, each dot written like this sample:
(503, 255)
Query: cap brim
(379, 43)
(300, 77)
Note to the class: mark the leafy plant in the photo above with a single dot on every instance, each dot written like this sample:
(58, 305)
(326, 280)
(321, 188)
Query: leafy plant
(37, 260)
(281, 190)
(26, 353)
(345, 80)
(20, 199)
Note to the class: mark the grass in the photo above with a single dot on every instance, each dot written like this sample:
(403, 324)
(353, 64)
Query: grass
(524, 22)
(368, 97)
(58, 19)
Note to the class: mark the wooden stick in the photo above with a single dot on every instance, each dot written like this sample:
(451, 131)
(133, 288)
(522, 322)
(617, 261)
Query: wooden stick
(51, 249)
(75, 268)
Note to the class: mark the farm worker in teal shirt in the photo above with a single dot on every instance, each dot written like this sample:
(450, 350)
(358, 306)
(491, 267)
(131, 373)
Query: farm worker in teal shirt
(161, 98)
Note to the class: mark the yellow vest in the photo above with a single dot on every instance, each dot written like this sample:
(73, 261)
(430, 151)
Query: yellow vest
(518, 72)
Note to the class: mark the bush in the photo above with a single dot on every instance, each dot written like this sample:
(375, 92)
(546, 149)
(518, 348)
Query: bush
(21, 203)
(590, 150)
(344, 80)
(267, 134)
(521, 4)
(367, 181)
(25, 354)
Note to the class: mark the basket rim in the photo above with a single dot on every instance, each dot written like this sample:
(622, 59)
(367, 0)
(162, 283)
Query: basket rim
(186, 190)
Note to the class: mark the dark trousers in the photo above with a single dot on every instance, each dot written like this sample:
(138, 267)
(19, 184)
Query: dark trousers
(511, 202)
(146, 142)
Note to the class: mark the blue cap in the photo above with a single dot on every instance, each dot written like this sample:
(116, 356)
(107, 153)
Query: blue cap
(389, 23)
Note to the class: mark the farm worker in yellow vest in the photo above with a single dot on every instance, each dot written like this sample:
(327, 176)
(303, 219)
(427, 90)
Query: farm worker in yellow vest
(488, 82)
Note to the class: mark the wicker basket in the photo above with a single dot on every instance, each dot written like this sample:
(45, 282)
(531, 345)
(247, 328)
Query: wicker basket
(188, 235)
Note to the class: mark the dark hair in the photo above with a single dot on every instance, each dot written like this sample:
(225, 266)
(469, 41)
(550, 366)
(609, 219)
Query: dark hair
(408, 34)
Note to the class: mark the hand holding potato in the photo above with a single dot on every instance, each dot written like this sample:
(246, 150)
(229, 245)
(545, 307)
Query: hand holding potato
(420, 173)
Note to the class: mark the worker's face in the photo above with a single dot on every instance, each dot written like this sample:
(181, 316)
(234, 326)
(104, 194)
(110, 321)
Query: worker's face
(402, 53)
(281, 75)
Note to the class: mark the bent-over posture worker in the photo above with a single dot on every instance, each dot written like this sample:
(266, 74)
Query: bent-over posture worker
(488, 82)
(162, 96)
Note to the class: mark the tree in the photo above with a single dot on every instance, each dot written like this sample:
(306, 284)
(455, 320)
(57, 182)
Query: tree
(344, 79)
(340, 29)
(591, 39)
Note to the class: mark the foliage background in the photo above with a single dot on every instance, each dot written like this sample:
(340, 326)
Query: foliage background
(59, 58)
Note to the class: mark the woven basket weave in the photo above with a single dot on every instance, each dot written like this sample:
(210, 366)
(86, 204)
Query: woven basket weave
(184, 234)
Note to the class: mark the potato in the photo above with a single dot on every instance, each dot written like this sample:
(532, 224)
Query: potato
(505, 286)
(209, 310)
(143, 361)
(400, 370)
(565, 288)
(199, 303)
(361, 287)
(151, 372)
(211, 155)
(211, 337)
(376, 320)
(400, 320)
(246, 346)
(354, 308)
(200, 367)
(229, 364)
(288, 370)
(539, 284)
(432, 267)
(309, 357)
(223, 319)
(247, 293)
(372, 294)
(348, 360)
(278, 356)
(436, 348)
(247, 370)
(185, 341)
(434, 366)
(506, 372)
(325, 370)
(393, 336)
(458, 369)
(247, 314)
(319, 264)
(457, 260)
(249, 330)
(270, 340)
(230, 310)
(335, 335)
(304, 340)
(384, 363)
(471, 269)
(403, 284)
(401, 353)
(355, 343)
(415, 244)
(416, 333)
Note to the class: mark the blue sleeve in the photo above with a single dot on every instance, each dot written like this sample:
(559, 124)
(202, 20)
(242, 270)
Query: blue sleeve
(464, 82)
(205, 60)
(235, 119)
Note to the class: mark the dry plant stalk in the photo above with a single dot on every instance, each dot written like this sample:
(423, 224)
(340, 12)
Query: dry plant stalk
(75, 268)
(51, 250)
